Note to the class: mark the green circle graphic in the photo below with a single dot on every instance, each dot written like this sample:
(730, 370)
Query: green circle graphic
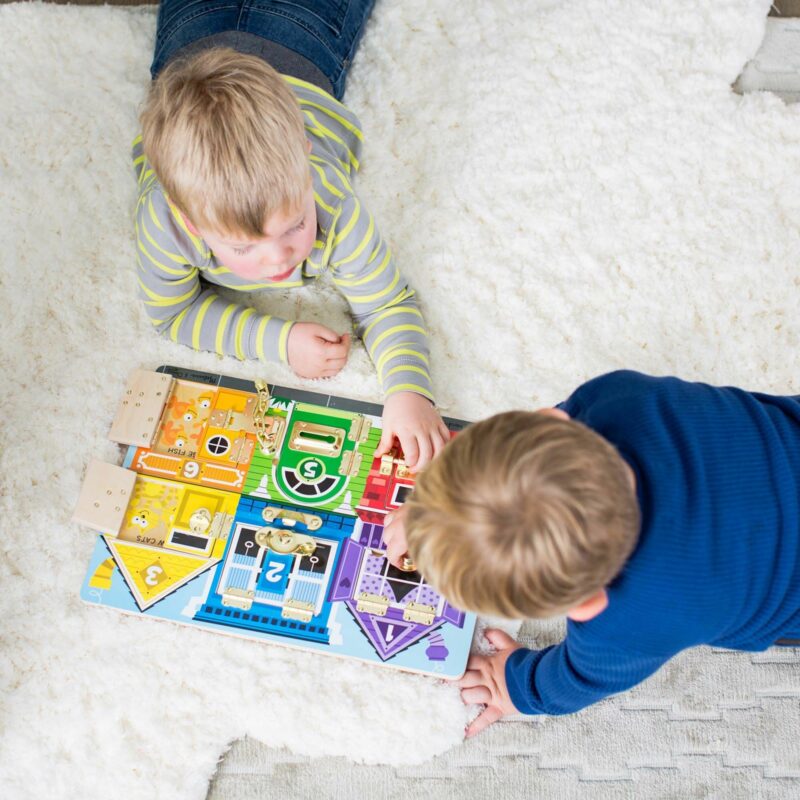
(310, 470)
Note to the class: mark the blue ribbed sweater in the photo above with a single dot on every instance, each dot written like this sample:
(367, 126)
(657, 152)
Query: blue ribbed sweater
(718, 556)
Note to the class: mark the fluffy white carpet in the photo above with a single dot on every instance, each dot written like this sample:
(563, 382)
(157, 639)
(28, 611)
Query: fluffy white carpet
(571, 186)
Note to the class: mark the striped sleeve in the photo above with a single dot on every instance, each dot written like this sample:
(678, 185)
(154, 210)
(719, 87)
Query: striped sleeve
(182, 306)
(386, 313)
(330, 122)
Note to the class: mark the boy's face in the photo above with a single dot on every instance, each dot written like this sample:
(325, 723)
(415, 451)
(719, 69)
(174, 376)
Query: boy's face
(288, 240)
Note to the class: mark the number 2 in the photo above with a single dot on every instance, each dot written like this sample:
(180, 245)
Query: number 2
(273, 571)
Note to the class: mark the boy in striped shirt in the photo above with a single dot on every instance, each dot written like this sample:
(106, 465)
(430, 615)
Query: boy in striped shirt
(245, 182)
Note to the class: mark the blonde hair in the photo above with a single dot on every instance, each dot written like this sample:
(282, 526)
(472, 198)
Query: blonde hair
(522, 515)
(224, 134)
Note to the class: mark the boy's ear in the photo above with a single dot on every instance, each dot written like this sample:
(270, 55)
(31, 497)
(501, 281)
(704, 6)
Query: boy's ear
(189, 225)
(590, 608)
(553, 412)
(186, 220)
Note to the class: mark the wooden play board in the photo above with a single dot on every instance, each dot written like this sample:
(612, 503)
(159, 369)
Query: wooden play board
(258, 511)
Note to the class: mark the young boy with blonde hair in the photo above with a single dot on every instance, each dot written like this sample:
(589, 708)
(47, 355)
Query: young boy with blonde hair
(245, 183)
(656, 514)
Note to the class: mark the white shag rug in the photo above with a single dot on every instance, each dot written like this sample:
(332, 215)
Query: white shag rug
(572, 187)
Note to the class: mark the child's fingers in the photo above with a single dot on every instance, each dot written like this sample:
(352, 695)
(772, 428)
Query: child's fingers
(476, 662)
(386, 442)
(410, 450)
(389, 530)
(326, 334)
(335, 363)
(330, 373)
(500, 640)
(472, 677)
(476, 694)
(487, 717)
(335, 350)
(438, 442)
(396, 549)
(425, 451)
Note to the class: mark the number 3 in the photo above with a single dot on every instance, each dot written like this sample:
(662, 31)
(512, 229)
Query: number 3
(152, 575)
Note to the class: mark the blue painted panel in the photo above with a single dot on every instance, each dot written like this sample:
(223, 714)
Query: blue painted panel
(275, 571)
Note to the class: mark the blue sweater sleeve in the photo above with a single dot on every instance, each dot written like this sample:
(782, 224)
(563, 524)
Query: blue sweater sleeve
(574, 674)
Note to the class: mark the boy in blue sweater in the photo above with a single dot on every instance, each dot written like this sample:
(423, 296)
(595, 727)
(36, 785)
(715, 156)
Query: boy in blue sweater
(656, 514)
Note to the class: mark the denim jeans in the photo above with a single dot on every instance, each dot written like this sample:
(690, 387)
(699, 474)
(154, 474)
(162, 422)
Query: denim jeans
(325, 33)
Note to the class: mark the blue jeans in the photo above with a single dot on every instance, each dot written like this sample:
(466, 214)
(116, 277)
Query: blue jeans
(325, 33)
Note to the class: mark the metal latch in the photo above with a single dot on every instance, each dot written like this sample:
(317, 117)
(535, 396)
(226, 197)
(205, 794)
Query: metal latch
(291, 518)
(350, 463)
(299, 610)
(238, 598)
(268, 429)
(389, 460)
(359, 429)
(279, 540)
(419, 612)
(368, 603)
(320, 440)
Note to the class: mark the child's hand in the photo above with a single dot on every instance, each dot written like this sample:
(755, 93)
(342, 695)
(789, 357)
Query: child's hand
(417, 424)
(394, 536)
(485, 682)
(315, 351)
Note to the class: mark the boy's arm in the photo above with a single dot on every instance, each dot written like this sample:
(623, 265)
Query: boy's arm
(549, 681)
(180, 306)
(569, 676)
(385, 310)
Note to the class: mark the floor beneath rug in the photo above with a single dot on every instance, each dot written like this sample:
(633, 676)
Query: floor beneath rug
(701, 743)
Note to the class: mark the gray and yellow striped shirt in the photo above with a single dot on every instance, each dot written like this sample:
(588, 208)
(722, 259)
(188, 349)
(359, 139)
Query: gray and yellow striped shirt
(176, 267)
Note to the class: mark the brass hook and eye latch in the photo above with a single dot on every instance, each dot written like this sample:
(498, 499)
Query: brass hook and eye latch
(287, 540)
(268, 429)
(291, 518)
(279, 540)
(389, 461)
